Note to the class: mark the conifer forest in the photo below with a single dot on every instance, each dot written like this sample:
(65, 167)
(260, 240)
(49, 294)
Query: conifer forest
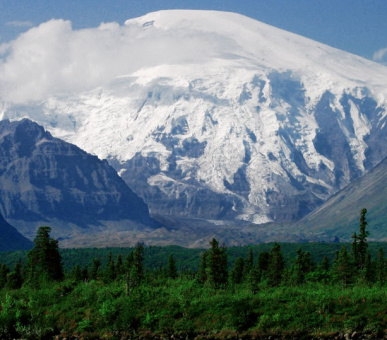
(263, 294)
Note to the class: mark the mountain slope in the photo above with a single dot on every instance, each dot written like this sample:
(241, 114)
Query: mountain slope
(11, 239)
(44, 180)
(339, 216)
(223, 118)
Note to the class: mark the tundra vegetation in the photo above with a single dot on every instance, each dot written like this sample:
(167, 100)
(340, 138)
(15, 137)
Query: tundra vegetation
(256, 296)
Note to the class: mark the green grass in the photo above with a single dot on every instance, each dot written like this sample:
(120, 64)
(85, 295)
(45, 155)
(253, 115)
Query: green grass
(166, 307)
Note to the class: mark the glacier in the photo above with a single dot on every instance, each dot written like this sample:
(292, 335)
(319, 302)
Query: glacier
(220, 117)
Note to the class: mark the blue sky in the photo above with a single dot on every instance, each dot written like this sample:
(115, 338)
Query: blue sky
(356, 26)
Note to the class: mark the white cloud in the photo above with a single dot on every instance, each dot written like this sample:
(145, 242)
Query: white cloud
(381, 56)
(55, 59)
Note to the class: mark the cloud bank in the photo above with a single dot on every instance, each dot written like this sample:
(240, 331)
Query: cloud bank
(53, 59)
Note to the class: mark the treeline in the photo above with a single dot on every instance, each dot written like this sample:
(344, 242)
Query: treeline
(258, 295)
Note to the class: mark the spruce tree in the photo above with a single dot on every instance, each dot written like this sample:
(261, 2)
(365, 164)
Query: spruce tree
(15, 278)
(136, 274)
(44, 261)
(85, 274)
(119, 266)
(95, 272)
(325, 264)
(276, 266)
(303, 264)
(202, 272)
(217, 272)
(253, 280)
(381, 268)
(76, 273)
(110, 270)
(237, 272)
(249, 263)
(263, 261)
(4, 270)
(362, 239)
(171, 267)
(342, 269)
(368, 271)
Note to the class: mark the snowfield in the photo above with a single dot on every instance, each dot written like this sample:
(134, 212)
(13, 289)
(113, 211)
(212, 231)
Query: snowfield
(187, 103)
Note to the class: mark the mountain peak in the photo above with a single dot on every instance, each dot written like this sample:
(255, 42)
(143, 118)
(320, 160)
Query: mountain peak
(214, 115)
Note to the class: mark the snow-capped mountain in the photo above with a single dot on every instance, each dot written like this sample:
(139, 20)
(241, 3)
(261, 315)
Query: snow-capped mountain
(221, 117)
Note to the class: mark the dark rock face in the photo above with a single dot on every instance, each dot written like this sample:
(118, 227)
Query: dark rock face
(43, 178)
(11, 239)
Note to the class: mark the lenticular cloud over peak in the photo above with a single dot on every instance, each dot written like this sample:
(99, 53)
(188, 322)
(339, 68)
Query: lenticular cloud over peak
(55, 59)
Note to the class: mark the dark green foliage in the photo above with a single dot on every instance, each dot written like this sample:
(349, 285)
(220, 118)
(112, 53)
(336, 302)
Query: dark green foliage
(302, 266)
(368, 270)
(276, 266)
(120, 270)
(135, 274)
(95, 269)
(263, 261)
(4, 270)
(15, 278)
(381, 268)
(44, 261)
(217, 271)
(249, 263)
(342, 269)
(362, 240)
(253, 280)
(76, 273)
(110, 270)
(202, 272)
(85, 274)
(325, 264)
(238, 271)
(171, 268)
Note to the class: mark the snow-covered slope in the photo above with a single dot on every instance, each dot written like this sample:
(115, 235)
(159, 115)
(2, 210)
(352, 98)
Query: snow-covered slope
(221, 117)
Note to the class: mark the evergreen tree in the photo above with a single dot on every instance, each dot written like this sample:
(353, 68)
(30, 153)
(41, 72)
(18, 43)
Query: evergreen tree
(135, 274)
(368, 271)
(342, 268)
(362, 240)
(94, 272)
(325, 264)
(202, 272)
(110, 270)
(238, 271)
(119, 266)
(76, 273)
(276, 266)
(303, 264)
(253, 280)
(129, 262)
(15, 278)
(322, 273)
(4, 270)
(381, 268)
(217, 273)
(44, 261)
(85, 274)
(171, 267)
(263, 261)
(249, 263)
